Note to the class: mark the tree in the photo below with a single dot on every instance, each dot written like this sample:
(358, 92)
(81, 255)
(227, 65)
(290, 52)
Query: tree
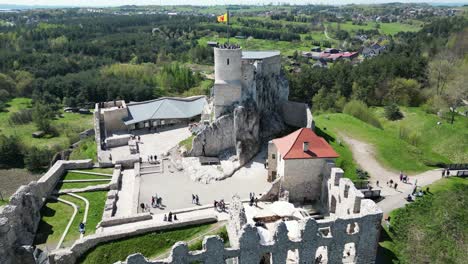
(404, 92)
(37, 158)
(392, 112)
(10, 152)
(440, 70)
(41, 117)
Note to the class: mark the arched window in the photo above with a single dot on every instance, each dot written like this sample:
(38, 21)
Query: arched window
(228, 61)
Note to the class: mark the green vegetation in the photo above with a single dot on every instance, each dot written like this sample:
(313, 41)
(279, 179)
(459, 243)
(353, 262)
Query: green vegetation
(86, 150)
(345, 161)
(383, 28)
(187, 143)
(81, 176)
(433, 228)
(67, 126)
(150, 245)
(391, 151)
(3, 202)
(55, 217)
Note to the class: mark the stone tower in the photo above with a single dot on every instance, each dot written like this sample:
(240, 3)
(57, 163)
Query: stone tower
(228, 71)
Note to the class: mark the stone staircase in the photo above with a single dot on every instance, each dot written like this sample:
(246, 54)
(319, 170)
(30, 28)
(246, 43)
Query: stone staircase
(149, 168)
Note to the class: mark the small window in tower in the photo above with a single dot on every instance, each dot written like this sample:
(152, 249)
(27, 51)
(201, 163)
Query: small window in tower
(227, 61)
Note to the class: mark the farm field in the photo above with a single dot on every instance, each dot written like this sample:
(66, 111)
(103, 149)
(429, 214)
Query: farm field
(384, 28)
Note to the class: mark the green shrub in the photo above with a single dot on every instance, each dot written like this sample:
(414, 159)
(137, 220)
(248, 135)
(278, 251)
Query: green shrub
(36, 158)
(360, 110)
(21, 117)
(10, 152)
(392, 112)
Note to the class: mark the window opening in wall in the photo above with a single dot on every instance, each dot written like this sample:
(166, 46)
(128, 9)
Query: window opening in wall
(227, 61)
(321, 256)
(333, 204)
(352, 228)
(325, 232)
(293, 256)
(349, 253)
(346, 191)
(273, 156)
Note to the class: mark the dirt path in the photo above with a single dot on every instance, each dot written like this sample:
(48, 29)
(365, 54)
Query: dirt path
(363, 154)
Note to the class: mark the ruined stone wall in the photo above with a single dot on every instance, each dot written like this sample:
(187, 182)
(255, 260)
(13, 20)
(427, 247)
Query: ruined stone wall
(20, 218)
(216, 138)
(246, 246)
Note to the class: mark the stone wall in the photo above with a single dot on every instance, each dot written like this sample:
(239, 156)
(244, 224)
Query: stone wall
(296, 114)
(332, 234)
(19, 219)
(215, 138)
(81, 246)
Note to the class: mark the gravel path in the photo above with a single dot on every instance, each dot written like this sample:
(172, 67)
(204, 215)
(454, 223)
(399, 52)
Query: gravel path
(363, 154)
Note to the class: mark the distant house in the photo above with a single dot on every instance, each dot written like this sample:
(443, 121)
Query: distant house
(373, 50)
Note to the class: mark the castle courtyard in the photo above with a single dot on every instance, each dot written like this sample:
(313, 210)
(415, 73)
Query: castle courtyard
(176, 187)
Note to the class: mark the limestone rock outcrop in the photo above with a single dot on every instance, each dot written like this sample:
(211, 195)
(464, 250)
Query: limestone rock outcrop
(247, 131)
(215, 138)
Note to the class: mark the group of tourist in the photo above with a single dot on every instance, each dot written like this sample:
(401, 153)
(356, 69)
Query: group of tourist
(153, 158)
(417, 193)
(220, 206)
(195, 199)
(391, 184)
(403, 178)
(445, 173)
(156, 201)
(135, 137)
(253, 199)
(170, 217)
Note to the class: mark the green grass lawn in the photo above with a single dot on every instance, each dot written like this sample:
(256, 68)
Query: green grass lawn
(80, 176)
(71, 123)
(96, 208)
(150, 245)
(55, 217)
(345, 161)
(433, 229)
(385, 28)
(285, 47)
(86, 150)
(391, 151)
(448, 140)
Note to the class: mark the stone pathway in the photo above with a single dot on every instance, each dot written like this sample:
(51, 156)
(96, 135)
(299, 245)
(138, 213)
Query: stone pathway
(363, 154)
(125, 201)
(85, 215)
(65, 232)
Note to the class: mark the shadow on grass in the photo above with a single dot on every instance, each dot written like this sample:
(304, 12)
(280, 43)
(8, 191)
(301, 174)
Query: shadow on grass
(45, 229)
(324, 134)
(384, 254)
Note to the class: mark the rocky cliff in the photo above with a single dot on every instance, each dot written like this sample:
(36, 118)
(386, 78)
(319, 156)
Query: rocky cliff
(256, 119)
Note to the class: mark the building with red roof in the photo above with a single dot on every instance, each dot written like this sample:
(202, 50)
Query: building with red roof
(298, 159)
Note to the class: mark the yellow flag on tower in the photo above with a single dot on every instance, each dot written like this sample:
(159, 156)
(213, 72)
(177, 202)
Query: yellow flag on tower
(223, 18)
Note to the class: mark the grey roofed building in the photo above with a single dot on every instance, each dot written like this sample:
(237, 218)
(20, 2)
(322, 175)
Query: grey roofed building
(165, 108)
(258, 55)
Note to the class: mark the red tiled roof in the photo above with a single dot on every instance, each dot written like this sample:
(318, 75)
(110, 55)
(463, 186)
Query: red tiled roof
(291, 146)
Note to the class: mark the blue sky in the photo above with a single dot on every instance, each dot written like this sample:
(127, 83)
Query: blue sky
(204, 2)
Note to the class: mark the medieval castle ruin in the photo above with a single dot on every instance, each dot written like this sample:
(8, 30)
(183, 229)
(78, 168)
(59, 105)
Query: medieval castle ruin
(307, 211)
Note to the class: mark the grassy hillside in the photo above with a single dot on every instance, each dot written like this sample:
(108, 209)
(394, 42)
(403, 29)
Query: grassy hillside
(436, 144)
(433, 229)
(68, 125)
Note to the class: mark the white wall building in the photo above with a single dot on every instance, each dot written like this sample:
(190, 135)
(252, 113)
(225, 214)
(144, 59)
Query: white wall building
(299, 159)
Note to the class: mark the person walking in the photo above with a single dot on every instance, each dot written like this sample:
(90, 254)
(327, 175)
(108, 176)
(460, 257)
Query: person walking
(256, 202)
(396, 184)
(165, 218)
(197, 200)
(448, 172)
(377, 184)
(401, 176)
(443, 173)
(215, 204)
(193, 198)
(175, 217)
(169, 218)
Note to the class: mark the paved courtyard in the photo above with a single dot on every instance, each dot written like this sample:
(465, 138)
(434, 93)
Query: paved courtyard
(153, 143)
(176, 187)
